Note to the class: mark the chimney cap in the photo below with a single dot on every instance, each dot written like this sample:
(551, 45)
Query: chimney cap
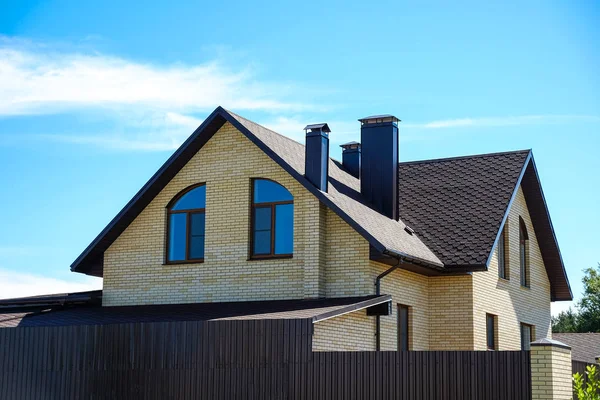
(350, 145)
(377, 119)
(318, 127)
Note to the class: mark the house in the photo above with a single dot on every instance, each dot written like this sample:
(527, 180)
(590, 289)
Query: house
(585, 347)
(241, 222)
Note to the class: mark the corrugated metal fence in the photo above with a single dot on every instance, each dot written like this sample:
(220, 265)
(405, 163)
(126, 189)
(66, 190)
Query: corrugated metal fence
(260, 359)
(580, 366)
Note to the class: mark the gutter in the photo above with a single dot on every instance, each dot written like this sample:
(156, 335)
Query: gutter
(378, 293)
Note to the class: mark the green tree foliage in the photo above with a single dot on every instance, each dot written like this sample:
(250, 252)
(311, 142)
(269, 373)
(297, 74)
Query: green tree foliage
(586, 317)
(589, 390)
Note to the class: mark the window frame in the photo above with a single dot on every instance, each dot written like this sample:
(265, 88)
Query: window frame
(531, 335)
(524, 268)
(188, 218)
(272, 205)
(408, 325)
(503, 240)
(494, 331)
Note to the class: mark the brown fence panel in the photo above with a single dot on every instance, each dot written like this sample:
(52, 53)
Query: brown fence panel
(259, 359)
(580, 366)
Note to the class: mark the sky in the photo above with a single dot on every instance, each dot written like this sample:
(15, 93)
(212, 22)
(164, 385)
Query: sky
(95, 96)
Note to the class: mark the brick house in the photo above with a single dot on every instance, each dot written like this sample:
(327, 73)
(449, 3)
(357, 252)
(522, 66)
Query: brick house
(241, 222)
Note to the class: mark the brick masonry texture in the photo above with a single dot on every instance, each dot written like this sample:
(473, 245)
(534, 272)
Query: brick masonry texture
(330, 259)
(551, 373)
(507, 299)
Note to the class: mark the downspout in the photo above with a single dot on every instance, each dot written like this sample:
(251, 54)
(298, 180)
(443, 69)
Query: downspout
(378, 292)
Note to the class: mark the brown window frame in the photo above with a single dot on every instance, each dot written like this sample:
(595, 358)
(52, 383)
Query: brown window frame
(271, 205)
(408, 335)
(523, 255)
(189, 213)
(494, 331)
(503, 244)
(531, 335)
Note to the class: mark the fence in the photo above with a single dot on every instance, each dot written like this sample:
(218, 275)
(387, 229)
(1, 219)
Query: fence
(259, 359)
(580, 366)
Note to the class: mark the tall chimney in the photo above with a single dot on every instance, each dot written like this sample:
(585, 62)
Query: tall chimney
(351, 158)
(379, 163)
(316, 160)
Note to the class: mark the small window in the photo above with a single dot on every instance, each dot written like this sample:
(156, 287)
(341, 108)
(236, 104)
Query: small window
(272, 220)
(523, 256)
(403, 328)
(491, 331)
(502, 255)
(527, 336)
(186, 225)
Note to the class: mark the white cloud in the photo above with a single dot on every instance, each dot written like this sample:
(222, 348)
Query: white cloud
(503, 121)
(36, 80)
(17, 284)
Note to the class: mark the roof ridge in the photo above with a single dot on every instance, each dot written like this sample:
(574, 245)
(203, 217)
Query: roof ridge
(443, 159)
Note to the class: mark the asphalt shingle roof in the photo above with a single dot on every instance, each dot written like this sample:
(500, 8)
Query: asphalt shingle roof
(456, 205)
(584, 346)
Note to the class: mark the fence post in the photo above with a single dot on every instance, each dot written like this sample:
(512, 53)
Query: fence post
(551, 370)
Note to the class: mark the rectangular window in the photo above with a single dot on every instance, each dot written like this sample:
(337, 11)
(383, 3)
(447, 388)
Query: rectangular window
(403, 328)
(491, 331)
(526, 336)
(196, 244)
(502, 259)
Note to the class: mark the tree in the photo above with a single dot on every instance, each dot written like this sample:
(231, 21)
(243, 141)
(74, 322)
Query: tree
(586, 317)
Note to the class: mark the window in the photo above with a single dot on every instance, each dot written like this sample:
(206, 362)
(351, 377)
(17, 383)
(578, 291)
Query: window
(527, 336)
(185, 226)
(403, 328)
(523, 258)
(272, 220)
(502, 255)
(490, 331)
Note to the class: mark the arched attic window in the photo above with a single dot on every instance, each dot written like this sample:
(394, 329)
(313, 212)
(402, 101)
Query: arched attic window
(272, 225)
(523, 253)
(185, 225)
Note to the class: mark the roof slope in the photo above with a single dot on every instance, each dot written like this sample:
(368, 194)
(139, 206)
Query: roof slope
(457, 205)
(584, 346)
(317, 310)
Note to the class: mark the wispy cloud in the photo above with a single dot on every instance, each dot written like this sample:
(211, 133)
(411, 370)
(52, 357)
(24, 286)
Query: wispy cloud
(34, 79)
(502, 121)
(17, 284)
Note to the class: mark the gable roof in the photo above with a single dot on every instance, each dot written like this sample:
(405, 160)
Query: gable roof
(584, 346)
(456, 206)
(343, 197)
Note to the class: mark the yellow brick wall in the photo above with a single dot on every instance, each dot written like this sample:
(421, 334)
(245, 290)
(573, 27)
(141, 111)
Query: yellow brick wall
(551, 373)
(133, 265)
(451, 312)
(349, 332)
(507, 299)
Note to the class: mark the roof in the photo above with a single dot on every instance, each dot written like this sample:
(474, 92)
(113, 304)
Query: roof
(584, 346)
(317, 310)
(456, 206)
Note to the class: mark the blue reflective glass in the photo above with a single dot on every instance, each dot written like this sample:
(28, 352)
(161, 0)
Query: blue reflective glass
(262, 218)
(284, 229)
(197, 224)
(268, 191)
(262, 242)
(195, 198)
(177, 237)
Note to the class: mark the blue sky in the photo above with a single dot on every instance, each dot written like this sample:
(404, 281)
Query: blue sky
(94, 97)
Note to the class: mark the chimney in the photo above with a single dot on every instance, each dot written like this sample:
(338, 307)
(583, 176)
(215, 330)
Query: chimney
(379, 163)
(351, 158)
(316, 159)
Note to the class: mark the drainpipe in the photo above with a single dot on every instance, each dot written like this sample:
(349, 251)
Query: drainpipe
(378, 292)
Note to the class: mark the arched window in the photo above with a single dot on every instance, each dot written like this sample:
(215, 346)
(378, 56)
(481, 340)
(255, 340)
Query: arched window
(272, 220)
(185, 226)
(523, 247)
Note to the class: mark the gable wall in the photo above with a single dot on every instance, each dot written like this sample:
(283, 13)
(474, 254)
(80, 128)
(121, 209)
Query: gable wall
(507, 299)
(134, 272)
